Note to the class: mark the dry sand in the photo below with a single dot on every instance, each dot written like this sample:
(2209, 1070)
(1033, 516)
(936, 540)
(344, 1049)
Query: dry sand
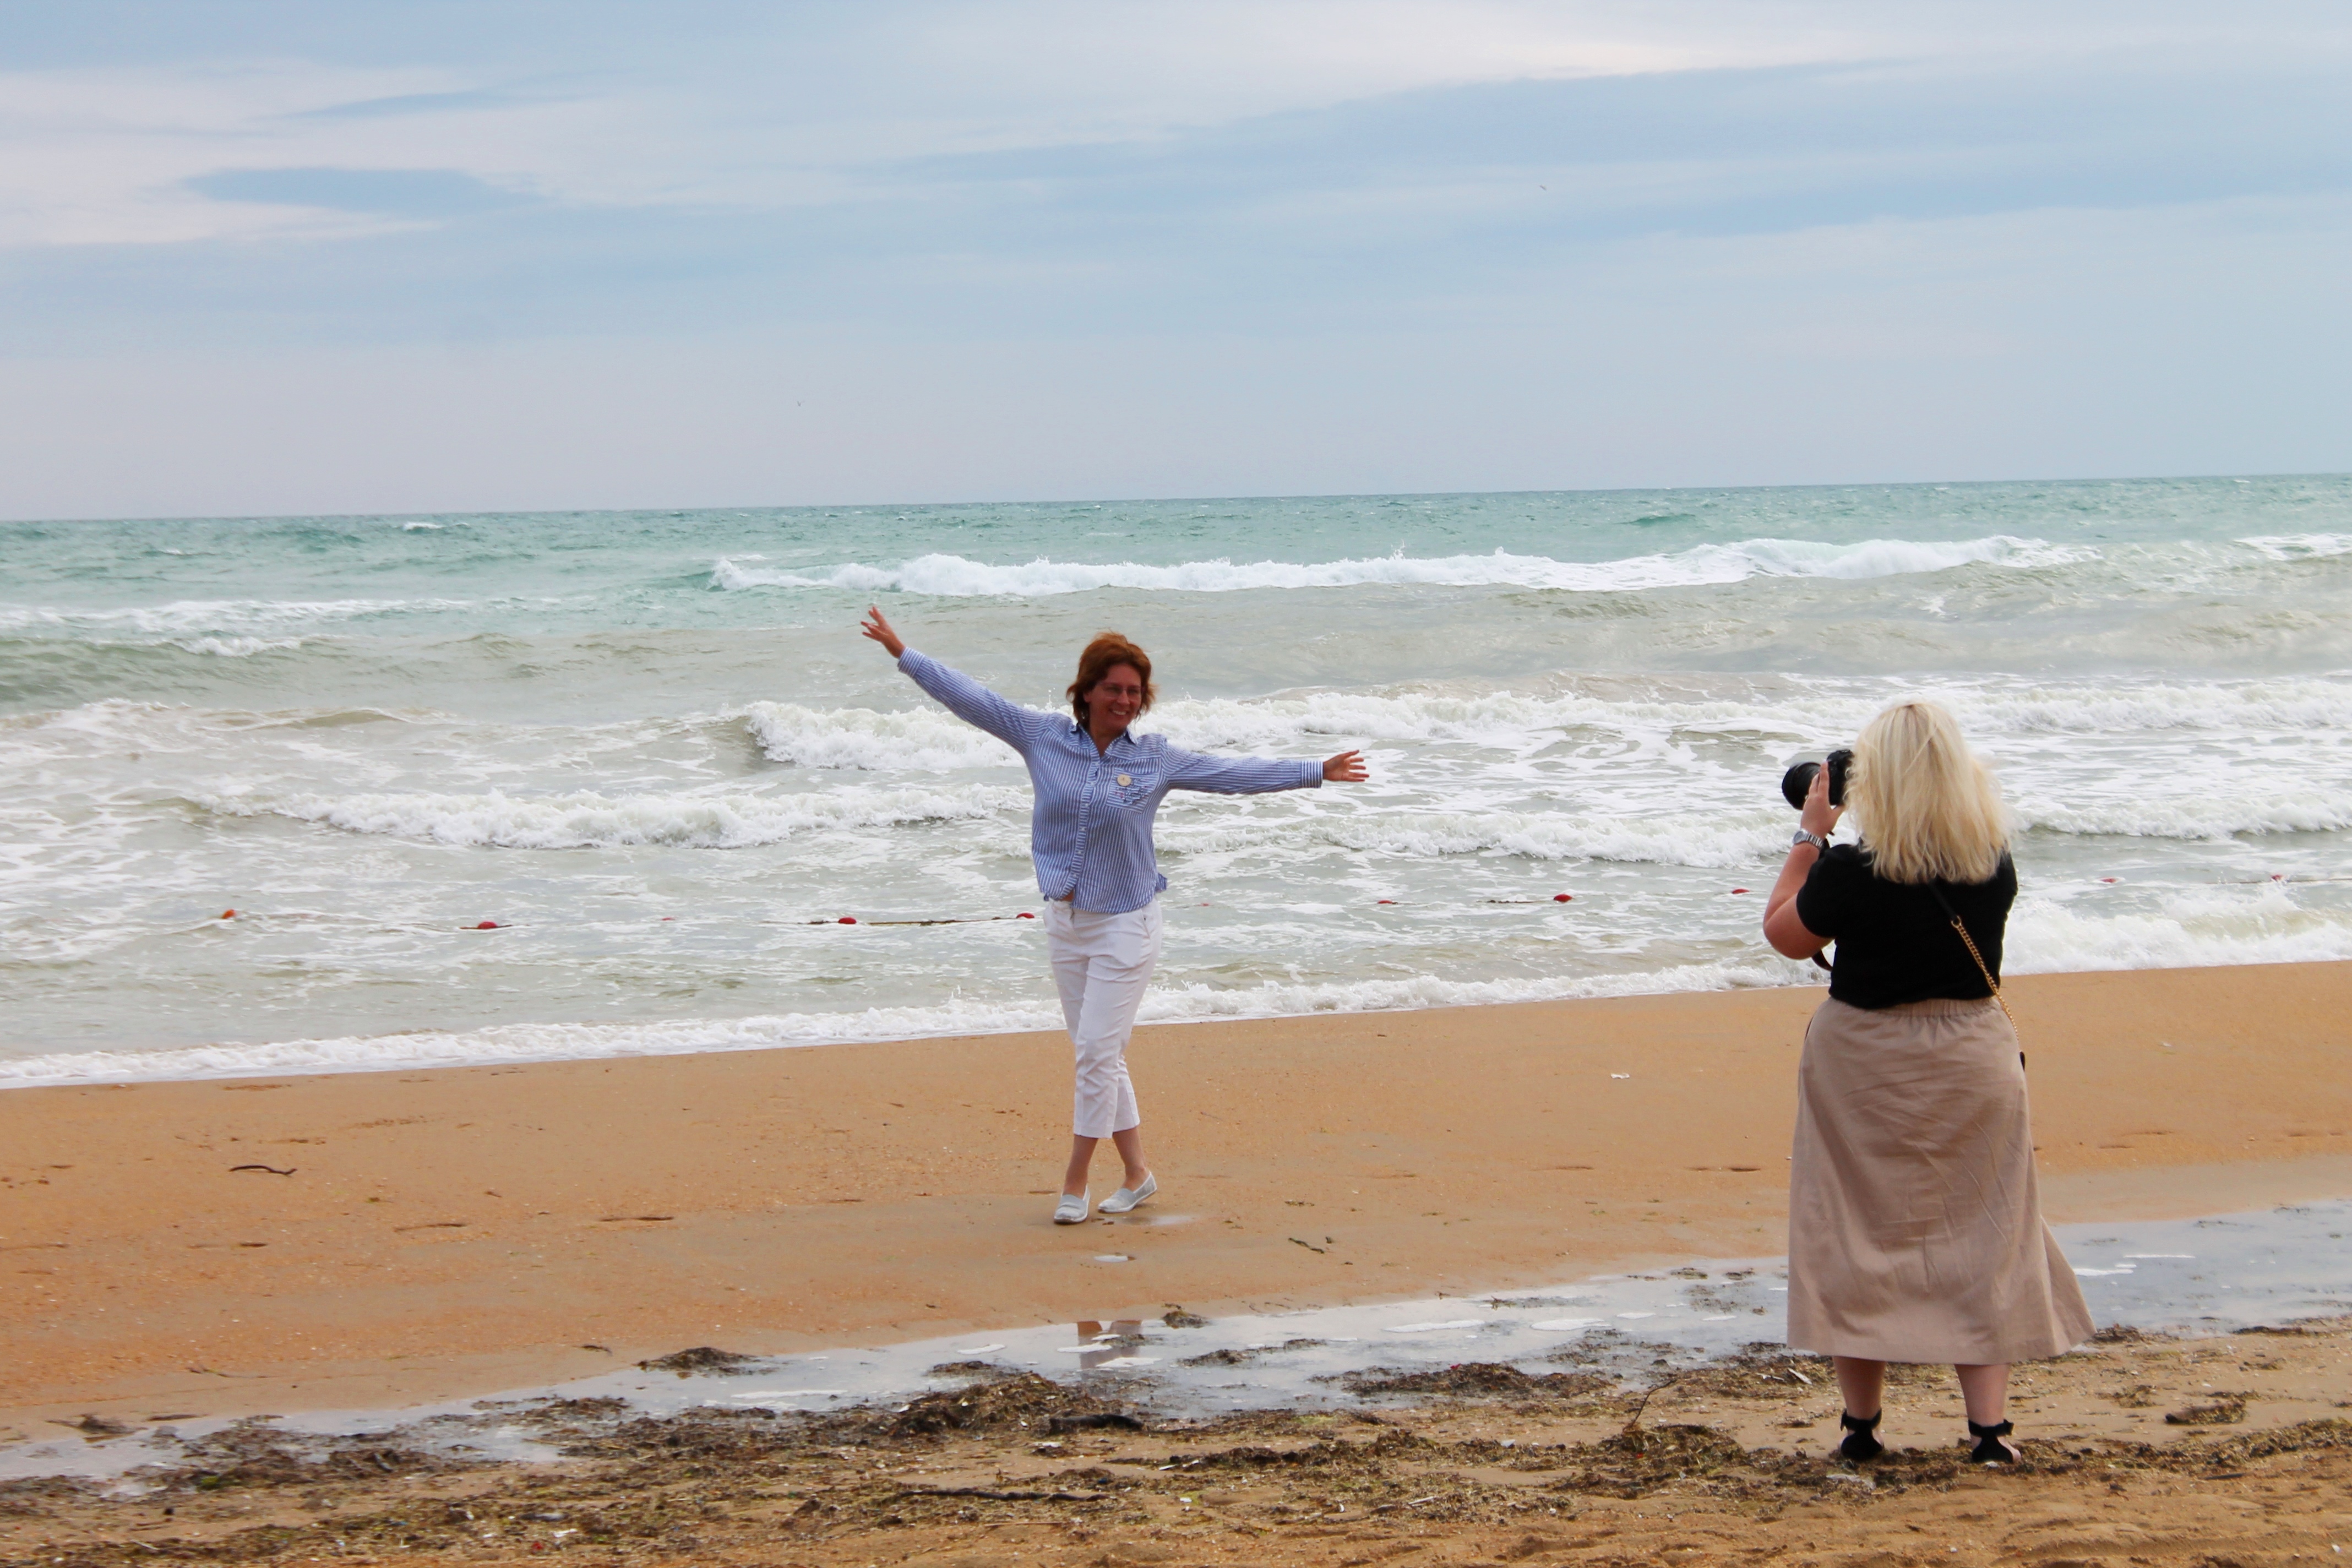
(468, 1230)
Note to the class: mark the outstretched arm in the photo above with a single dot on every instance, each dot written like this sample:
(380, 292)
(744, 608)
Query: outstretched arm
(959, 693)
(1259, 776)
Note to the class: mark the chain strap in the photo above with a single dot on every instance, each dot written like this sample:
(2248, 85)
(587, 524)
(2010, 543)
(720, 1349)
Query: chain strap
(1990, 983)
(1982, 968)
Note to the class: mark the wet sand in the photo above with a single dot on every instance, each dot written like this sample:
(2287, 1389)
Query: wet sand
(464, 1231)
(2228, 1450)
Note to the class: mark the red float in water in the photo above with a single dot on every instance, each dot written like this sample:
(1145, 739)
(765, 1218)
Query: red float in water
(1384, 900)
(488, 925)
(2111, 878)
(1024, 915)
(1739, 889)
(1563, 898)
(228, 914)
(848, 919)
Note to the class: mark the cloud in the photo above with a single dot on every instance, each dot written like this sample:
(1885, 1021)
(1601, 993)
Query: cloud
(396, 193)
(764, 109)
(1203, 246)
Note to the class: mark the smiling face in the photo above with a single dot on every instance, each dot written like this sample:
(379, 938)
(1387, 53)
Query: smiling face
(1114, 701)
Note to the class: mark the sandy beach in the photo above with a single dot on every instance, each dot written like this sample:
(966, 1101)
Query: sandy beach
(369, 1239)
(2140, 1450)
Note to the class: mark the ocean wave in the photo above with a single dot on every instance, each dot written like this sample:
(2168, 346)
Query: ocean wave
(1714, 841)
(1824, 708)
(2197, 928)
(216, 617)
(2213, 816)
(2301, 546)
(926, 738)
(956, 577)
(920, 739)
(2119, 706)
(235, 646)
(569, 1042)
(585, 820)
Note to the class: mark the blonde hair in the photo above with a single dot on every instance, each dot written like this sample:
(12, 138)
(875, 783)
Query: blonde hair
(1927, 809)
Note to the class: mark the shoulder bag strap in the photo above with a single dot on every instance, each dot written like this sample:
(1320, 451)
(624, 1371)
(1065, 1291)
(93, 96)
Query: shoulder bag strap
(1990, 983)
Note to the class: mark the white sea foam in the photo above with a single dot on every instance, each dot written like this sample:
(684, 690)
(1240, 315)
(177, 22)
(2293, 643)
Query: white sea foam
(1720, 840)
(585, 820)
(2197, 926)
(916, 739)
(215, 616)
(2213, 814)
(955, 576)
(1986, 708)
(2301, 546)
(561, 1042)
(2207, 926)
(236, 646)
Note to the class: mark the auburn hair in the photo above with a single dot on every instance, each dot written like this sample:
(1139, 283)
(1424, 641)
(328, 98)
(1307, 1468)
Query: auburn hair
(1108, 649)
(1928, 809)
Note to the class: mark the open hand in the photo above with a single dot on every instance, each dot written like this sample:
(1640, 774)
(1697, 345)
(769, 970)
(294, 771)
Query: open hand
(875, 626)
(1348, 767)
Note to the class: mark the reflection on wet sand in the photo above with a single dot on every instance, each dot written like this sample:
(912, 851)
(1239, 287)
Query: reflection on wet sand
(2209, 1276)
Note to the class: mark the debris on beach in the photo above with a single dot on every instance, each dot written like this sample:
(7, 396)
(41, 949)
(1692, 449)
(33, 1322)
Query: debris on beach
(704, 1359)
(1242, 1355)
(1023, 1400)
(1478, 1379)
(2222, 1410)
(1479, 1462)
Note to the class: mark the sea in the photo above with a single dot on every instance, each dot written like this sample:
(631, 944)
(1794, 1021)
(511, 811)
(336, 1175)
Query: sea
(319, 794)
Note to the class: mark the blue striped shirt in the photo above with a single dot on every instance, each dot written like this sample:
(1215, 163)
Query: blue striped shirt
(1090, 830)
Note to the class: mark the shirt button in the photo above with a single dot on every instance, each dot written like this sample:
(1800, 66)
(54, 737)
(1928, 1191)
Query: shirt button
(1124, 781)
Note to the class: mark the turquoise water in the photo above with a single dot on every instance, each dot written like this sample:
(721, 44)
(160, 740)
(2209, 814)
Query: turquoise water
(651, 747)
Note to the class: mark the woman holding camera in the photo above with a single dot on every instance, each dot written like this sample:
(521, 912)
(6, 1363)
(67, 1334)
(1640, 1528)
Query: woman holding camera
(1915, 1226)
(1098, 789)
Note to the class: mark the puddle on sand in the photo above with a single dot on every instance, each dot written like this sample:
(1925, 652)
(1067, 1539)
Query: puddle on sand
(2207, 1275)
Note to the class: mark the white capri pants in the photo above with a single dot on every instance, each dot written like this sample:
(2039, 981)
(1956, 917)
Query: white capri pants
(1101, 963)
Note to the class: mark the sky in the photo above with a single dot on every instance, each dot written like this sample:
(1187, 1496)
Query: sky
(328, 256)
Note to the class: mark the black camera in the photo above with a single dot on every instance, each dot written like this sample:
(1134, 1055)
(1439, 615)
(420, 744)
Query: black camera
(1798, 781)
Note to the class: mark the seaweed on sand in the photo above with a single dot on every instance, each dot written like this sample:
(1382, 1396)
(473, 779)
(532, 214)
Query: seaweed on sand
(1475, 1380)
(1022, 1400)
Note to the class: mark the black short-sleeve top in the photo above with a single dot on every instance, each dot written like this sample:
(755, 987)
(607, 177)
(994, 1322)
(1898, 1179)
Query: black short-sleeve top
(1895, 943)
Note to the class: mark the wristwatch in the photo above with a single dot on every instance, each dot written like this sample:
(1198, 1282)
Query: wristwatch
(1801, 837)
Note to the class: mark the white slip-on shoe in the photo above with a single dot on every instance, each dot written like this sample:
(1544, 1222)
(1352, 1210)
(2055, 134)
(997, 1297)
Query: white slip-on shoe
(1072, 1209)
(1127, 1198)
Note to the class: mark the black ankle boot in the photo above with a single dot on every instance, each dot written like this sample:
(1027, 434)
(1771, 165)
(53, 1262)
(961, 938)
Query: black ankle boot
(1990, 1449)
(1861, 1437)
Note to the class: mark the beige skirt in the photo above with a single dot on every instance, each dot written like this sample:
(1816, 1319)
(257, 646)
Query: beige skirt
(1915, 1224)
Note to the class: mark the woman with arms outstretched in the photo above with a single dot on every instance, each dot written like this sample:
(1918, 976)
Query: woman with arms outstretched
(1099, 787)
(1915, 1227)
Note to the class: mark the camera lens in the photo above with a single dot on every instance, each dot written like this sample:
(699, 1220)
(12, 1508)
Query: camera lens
(1796, 782)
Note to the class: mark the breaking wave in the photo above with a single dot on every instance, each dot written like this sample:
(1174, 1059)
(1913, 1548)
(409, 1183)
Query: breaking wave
(953, 576)
(585, 820)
